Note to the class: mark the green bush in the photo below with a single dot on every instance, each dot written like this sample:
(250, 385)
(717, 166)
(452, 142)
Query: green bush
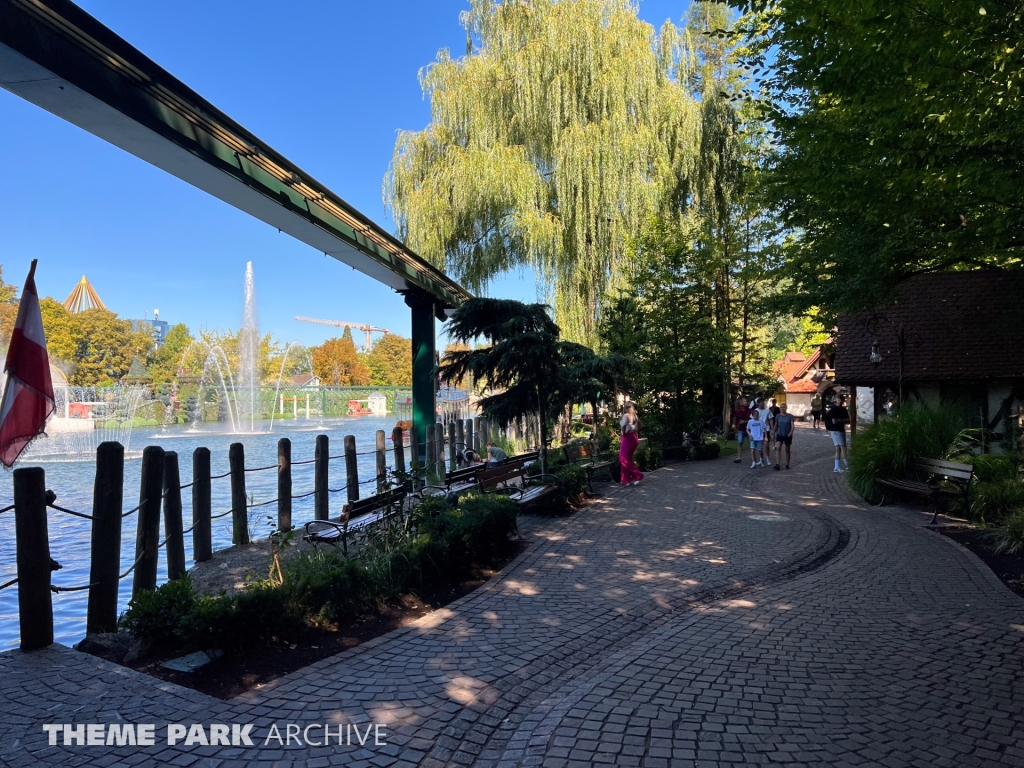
(157, 615)
(1009, 537)
(888, 448)
(992, 501)
(321, 586)
(992, 468)
(648, 457)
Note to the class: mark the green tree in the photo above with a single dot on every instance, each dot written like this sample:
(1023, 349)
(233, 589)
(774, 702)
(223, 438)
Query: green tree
(336, 363)
(567, 126)
(390, 361)
(106, 347)
(900, 137)
(61, 332)
(522, 360)
(666, 323)
(8, 310)
(165, 361)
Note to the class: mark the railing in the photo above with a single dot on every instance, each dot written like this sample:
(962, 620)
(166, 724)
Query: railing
(160, 496)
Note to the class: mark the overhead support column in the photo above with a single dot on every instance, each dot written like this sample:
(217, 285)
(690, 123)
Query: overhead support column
(424, 387)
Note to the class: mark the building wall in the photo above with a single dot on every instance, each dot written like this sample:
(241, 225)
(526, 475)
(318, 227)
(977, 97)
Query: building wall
(799, 404)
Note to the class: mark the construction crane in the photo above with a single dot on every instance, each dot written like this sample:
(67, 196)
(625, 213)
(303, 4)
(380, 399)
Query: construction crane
(343, 324)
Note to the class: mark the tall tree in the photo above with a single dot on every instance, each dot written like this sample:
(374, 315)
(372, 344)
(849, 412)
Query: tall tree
(390, 361)
(336, 363)
(900, 128)
(567, 125)
(522, 360)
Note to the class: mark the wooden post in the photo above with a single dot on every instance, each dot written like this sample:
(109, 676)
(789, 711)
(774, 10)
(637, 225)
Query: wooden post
(460, 433)
(202, 506)
(452, 434)
(382, 462)
(147, 536)
(173, 525)
(431, 454)
(321, 500)
(351, 468)
(284, 484)
(35, 605)
(478, 439)
(397, 438)
(239, 498)
(107, 498)
(470, 437)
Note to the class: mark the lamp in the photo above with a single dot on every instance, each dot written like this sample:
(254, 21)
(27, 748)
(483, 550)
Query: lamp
(876, 356)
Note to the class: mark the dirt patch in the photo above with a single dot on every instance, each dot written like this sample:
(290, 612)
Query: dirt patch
(1009, 568)
(232, 675)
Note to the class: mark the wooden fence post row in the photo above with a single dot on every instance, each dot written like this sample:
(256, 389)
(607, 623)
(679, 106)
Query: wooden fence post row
(160, 495)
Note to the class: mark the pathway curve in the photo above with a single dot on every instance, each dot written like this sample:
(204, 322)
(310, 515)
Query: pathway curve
(715, 615)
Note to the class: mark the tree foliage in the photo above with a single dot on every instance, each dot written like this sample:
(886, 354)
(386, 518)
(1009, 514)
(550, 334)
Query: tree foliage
(336, 363)
(900, 136)
(566, 126)
(390, 361)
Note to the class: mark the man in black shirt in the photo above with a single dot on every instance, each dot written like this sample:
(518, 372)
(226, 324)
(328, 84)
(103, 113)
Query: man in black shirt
(836, 419)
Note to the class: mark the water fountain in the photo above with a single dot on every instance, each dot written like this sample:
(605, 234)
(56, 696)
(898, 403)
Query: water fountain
(240, 391)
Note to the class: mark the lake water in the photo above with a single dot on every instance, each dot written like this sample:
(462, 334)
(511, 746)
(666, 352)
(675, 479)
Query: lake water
(72, 481)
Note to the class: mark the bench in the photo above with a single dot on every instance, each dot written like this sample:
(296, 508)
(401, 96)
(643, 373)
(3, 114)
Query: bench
(585, 455)
(357, 517)
(529, 491)
(957, 475)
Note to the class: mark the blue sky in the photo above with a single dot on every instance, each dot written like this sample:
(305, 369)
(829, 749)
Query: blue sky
(327, 84)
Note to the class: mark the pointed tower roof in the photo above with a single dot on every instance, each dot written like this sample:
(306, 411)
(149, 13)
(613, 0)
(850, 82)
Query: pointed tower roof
(83, 297)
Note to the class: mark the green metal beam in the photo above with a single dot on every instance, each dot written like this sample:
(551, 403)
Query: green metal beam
(55, 55)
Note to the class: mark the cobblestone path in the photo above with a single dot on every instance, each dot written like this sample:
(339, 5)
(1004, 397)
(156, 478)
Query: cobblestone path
(713, 616)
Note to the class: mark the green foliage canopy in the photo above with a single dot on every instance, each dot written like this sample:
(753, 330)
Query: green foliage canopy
(567, 125)
(901, 131)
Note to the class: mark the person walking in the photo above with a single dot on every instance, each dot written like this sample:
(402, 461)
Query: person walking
(815, 410)
(762, 415)
(629, 425)
(740, 417)
(836, 419)
(785, 425)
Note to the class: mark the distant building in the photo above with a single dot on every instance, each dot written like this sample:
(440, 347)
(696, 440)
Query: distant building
(157, 327)
(801, 377)
(306, 381)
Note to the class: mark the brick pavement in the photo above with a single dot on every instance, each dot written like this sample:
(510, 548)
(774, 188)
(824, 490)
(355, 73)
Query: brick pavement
(662, 626)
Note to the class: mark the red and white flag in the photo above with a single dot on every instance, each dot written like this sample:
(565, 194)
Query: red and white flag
(28, 396)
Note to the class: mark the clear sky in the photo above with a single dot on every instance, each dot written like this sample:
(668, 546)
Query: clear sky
(327, 84)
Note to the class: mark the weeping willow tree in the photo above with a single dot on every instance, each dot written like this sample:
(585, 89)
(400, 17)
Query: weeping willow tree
(566, 127)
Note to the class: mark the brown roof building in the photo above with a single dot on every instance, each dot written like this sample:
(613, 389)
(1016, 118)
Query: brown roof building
(951, 336)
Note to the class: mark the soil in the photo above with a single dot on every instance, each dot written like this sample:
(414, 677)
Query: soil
(1009, 568)
(233, 675)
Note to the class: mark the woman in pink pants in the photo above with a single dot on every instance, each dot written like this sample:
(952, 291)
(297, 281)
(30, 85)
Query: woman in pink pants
(629, 474)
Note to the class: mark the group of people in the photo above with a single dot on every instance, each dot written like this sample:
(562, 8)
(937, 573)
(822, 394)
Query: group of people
(766, 424)
(760, 427)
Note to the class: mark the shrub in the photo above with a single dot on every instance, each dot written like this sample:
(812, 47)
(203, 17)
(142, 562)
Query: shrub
(995, 500)
(1009, 537)
(648, 457)
(992, 468)
(887, 449)
(156, 615)
(323, 586)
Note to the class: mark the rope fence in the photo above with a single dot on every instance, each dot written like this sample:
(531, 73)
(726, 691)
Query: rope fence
(162, 501)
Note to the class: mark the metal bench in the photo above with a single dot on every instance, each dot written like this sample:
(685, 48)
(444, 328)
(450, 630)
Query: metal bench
(357, 517)
(585, 455)
(530, 489)
(958, 476)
